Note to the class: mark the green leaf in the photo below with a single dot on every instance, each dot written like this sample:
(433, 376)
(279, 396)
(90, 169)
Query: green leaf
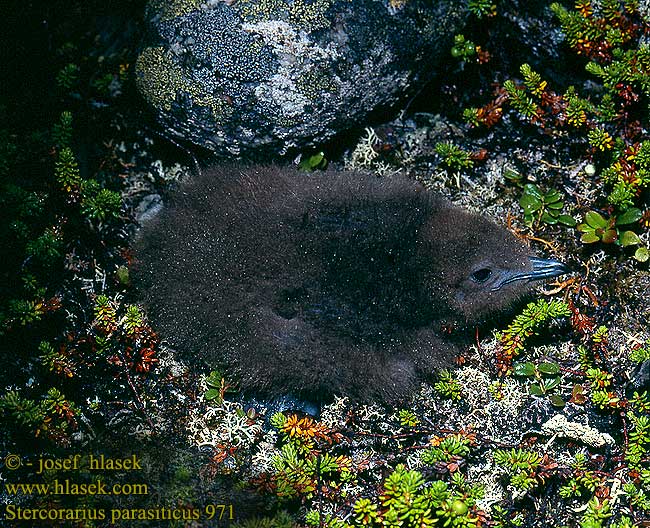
(524, 369)
(530, 204)
(552, 383)
(211, 394)
(555, 205)
(556, 400)
(213, 379)
(512, 175)
(549, 218)
(536, 390)
(629, 217)
(316, 161)
(552, 196)
(589, 238)
(641, 254)
(531, 189)
(549, 368)
(630, 238)
(122, 274)
(567, 220)
(528, 220)
(595, 219)
(578, 394)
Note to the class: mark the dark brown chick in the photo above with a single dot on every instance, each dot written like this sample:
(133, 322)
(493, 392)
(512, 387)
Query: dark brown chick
(324, 283)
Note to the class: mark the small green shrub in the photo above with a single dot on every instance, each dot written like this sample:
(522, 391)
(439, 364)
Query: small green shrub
(99, 204)
(462, 48)
(448, 386)
(482, 8)
(525, 325)
(597, 228)
(546, 376)
(67, 171)
(543, 207)
(454, 157)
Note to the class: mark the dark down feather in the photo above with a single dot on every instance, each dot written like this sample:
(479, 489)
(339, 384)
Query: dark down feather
(324, 283)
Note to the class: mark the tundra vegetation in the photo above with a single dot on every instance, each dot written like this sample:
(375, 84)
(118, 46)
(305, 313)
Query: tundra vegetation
(545, 422)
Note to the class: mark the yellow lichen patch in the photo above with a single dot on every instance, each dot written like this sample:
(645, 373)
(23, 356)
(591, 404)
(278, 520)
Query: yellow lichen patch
(170, 9)
(160, 80)
(314, 82)
(398, 4)
(308, 16)
(262, 9)
(219, 105)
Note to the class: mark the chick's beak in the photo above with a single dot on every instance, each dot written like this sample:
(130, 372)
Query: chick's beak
(547, 268)
(541, 269)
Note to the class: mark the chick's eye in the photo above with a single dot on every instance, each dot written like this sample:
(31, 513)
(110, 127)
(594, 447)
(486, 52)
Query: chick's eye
(481, 275)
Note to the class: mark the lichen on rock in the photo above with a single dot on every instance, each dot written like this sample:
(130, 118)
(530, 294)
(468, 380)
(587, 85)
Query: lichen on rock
(169, 9)
(161, 81)
(292, 72)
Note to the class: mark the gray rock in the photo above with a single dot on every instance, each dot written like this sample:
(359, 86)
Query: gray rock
(238, 76)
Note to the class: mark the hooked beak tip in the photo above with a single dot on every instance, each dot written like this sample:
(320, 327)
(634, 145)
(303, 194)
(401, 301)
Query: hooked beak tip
(547, 268)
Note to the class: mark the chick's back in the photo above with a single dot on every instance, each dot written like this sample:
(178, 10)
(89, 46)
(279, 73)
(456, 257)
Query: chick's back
(302, 283)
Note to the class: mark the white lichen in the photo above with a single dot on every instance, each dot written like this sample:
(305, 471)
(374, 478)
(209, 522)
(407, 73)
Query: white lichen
(364, 153)
(290, 45)
(559, 426)
(487, 474)
(292, 48)
(333, 415)
(225, 423)
(266, 451)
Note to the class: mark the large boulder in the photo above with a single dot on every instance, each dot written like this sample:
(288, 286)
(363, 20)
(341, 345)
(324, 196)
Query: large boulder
(238, 76)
